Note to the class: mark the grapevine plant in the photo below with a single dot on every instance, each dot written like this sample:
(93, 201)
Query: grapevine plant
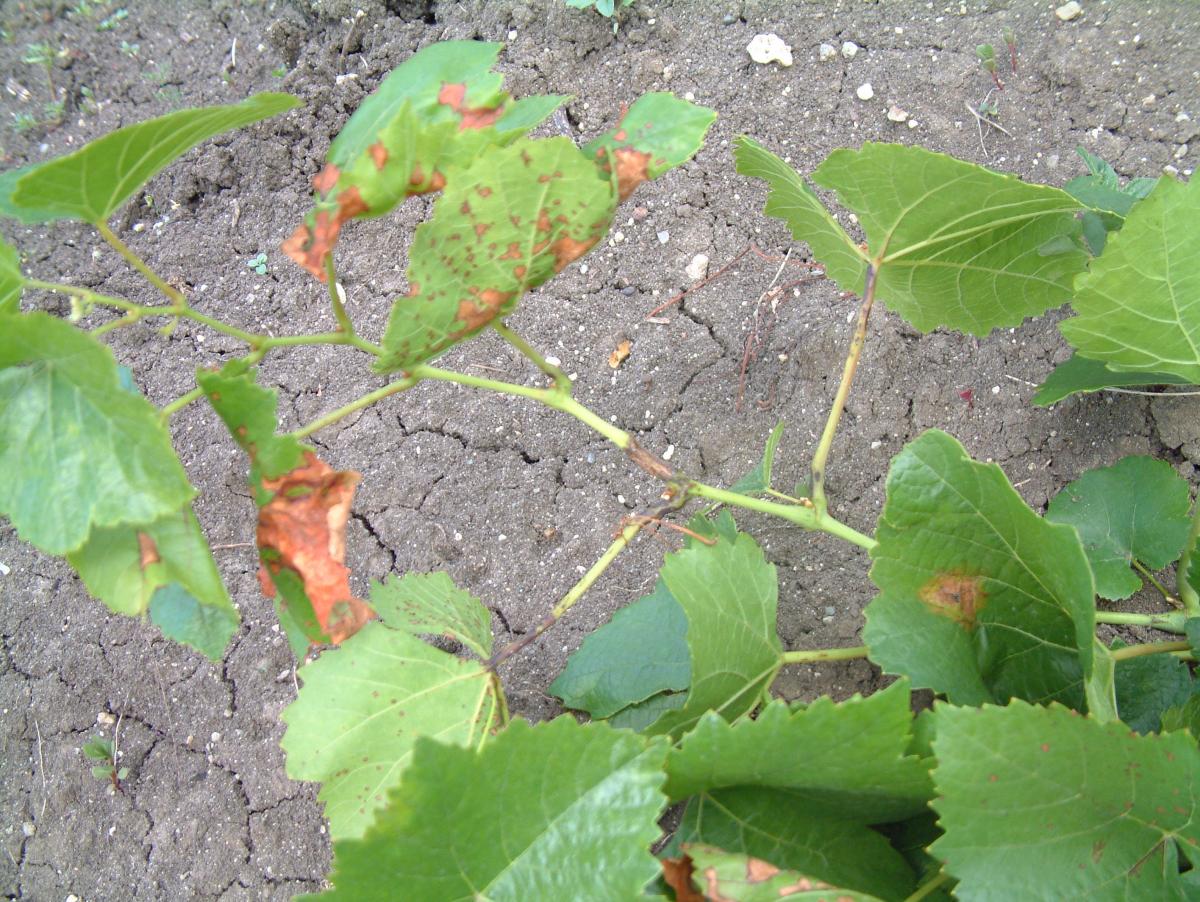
(1052, 765)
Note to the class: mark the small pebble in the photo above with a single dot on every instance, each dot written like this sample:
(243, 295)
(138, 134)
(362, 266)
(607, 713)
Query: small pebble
(640, 213)
(669, 453)
(830, 610)
(1181, 151)
(664, 236)
(895, 114)
(849, 50)
(591, 457)
(628, 291)
(769, 48)
(698, 268)
(29, 828)
(865, 91)
(826, 52)
(728, 19)
(1068, 11)
(105, 718)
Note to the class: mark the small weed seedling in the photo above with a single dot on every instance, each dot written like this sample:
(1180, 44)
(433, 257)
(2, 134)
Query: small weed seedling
(1010, 41)
(1053, 763)
(987, 61)
(104, 753)
(258, 264)
(607, 8)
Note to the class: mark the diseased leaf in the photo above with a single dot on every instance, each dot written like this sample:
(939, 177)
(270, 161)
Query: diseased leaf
(512, 220)
(657, 133)
(848, 760)
(11, 280)
(793, 201)
(1079, 374)
(438, 110)
(773, 825)
(76, 451)
(731, 877)
(248, 411)
(164, 568)
(361, 708)
(1135, 510)
(1147, 686)
(1138, 307)
(980, 598)
(957, 245)
(543, 812)
(759, 479)
(91, 183)
(641, 652)
(729, 594)
(302, 532)
(1046, 804)
(431, 604)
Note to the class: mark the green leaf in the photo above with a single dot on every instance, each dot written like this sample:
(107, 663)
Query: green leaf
(1191, 628)
(773, 825)
(1079, 374)
(729, 594)
(431, 604)
(641, 652)
(1183, 717)
(11, 280)
(537, 813)
(956, 245)
(759, 479)
(76, 451)
(8, 184)
(511, 221)
(362, 707)
(301, 623)
(740, 878)
(1135, 510)
(248, 411)
(912, 838)
(1100, 688)
(657, 133)
(639, 716)
(166, 568)
(793, 201)
(102, 773)
(91, 183)
(854, 764)
(1147, 686)
(981, 599)
(98, 749)
(1101, 190)
(1138, 308)
(1050, 805)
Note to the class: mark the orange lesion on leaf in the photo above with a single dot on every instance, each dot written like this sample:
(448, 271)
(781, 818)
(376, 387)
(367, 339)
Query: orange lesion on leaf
(957, 596)
(455, 95)
(311, 242)
(677, 874)
(303, 529)
(567, 250)
(475, 315)
(632, 170)
(147, 551)
(324, 180)
(513, 252)
(379, 154)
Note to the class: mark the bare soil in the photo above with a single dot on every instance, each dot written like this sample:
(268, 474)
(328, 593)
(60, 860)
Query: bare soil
(514, 502)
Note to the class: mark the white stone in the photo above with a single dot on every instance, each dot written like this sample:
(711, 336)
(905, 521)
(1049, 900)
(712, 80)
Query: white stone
(1068, 11)
(769, 48)
(865, 91)
(895, 114)
(698, 268)
(664, 236)
(826, 52)
(849, 50)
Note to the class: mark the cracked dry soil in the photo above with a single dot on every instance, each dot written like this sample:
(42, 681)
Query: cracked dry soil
(513, 501)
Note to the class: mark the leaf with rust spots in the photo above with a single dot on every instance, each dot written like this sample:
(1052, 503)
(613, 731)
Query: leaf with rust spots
(657, 133)
(302, 530)
(434, 113)
(617, 357)
(496, 232)
(677, 874)
(980, 598)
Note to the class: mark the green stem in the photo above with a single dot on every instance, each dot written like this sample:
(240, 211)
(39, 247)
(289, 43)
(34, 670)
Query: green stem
(1168, 623)
(178, 301)
(821, 455)
(169, 410)
(928, 887)
(619, 544)
(112, 325)
(345, 325)
(805, 517)
(1150, 578)
(531, 354)
(365, 401)
(1187, 592)
(824, 654)
(501, 699)
(1149, 648)
(788, 498)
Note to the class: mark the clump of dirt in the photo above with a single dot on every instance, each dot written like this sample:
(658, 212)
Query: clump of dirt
(513, 501)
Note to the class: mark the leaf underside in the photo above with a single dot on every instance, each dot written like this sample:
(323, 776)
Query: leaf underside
(742, 878)
(1079, 374)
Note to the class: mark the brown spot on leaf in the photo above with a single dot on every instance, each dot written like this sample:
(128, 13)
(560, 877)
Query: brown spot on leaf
(324, 180)
(147, 551)
(309, 244)
(677, 874)
(305, 532)
(454, 96)
(1098, 850)
(483, 191)
(567, 250)
(481, 228)
(379, 154)
(519, 272)
(955, 595)
(632, 170)
(620, 135)
(543, 221)
(474, 316)
(758, 870)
